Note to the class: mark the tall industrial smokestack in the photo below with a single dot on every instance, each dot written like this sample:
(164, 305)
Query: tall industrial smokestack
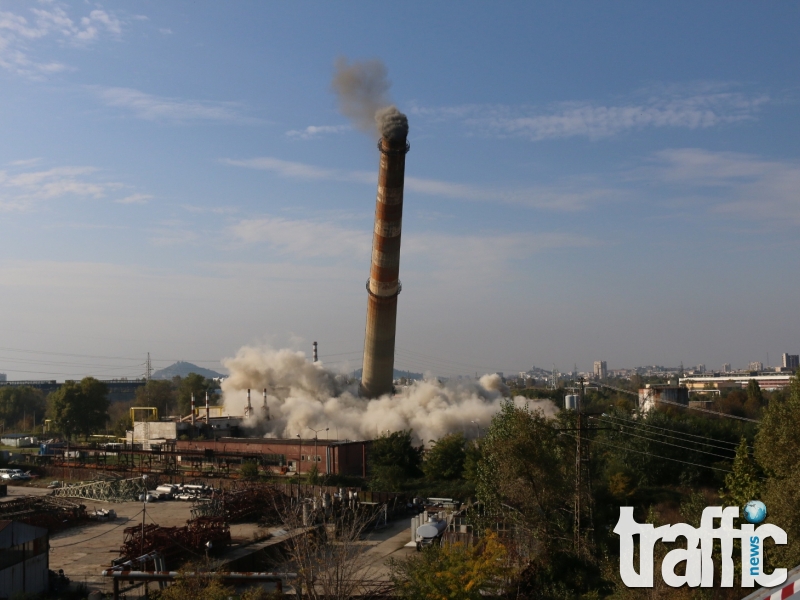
(316, 356)
(383, 285)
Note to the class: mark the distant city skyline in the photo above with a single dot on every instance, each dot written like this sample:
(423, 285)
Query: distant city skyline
(585, 182)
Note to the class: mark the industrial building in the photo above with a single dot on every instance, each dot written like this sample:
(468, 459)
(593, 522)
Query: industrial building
(24, 559)
(209, 422)
(735, 381)
(651, 395)
(791, 361)
(290, 456)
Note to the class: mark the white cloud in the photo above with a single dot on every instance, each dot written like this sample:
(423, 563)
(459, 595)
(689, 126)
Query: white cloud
(219, 210)
(18, 34)
(313, 131)
(23, 189)
(156, 108)
(303, 238)
(165, 31)
(26, 162)
(736, 184)
(135, 199)
(575, 195)
(708, 106)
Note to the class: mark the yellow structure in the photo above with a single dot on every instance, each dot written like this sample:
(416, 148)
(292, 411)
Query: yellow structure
(152, 409)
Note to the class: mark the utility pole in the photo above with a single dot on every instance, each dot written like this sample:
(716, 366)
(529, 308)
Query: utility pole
(578, 470)
(148, 371)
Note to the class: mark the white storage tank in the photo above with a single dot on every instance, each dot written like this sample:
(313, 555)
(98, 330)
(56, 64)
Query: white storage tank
(571, 401)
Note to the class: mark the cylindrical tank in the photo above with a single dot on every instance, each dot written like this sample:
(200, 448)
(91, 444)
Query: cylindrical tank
(432, 529)
(571, 401)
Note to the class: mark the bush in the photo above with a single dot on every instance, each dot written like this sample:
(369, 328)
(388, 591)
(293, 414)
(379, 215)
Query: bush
(249, 469)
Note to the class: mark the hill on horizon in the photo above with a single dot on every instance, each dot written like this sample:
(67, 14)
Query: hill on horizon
(396, 375)
(182, 369)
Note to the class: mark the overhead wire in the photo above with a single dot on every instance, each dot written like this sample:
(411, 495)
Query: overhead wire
(679, 433)
(651, 454)
(652, 439)
(712, 412)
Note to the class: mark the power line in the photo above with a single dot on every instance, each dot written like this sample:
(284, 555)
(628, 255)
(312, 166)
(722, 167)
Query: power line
(644, 437)
(685, 462)
(682, 433)
(712, 412)
(68, 354)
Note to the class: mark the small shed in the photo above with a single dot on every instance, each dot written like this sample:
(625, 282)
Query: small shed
(24, 559)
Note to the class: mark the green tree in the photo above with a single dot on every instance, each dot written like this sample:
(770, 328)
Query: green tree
(397, 449)
(777, 450)
(445, 460)
(393, 459)
(453, 572)
(472, 456)
(527, 469)
(79, 407)
(18, 404)
(158, 393)
(743, 483)
(197, 385)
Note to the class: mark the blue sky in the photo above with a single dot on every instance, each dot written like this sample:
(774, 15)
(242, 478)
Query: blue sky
(586, 181)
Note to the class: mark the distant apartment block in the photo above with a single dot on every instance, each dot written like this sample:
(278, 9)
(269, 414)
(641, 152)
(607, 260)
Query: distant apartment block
(600, 369)
(726, 368)
(791, 361)
(3, 376)
(756, 366)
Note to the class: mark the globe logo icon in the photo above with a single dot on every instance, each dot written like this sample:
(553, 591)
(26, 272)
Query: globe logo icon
(755, 511)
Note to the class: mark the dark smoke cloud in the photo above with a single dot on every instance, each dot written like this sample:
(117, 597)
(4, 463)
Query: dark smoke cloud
(392, 124)
(363, 92)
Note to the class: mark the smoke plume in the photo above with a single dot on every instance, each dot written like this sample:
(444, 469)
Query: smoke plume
(302, 396)
(363, 92)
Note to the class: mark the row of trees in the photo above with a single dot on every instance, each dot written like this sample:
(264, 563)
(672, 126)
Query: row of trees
(669, 464)
(82, 407)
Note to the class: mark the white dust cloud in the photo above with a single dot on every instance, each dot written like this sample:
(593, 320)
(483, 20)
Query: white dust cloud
(302, 395)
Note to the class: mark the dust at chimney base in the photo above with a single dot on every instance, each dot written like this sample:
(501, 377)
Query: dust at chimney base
(383, 285)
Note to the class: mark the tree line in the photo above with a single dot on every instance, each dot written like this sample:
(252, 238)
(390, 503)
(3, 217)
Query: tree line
(82, 408)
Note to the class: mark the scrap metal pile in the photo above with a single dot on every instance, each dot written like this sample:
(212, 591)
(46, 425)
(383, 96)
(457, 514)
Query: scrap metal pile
(175, 543)
(244, 502)
(54, 514)
(104, 490)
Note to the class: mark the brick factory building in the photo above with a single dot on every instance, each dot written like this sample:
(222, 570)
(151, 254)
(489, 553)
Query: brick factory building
(290, 456)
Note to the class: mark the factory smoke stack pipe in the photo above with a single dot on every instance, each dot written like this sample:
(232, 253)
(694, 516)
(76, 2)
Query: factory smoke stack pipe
(192, 409)
(316, 357)
(248, 410)
(266, 406)
(208, 410)
(383, 285)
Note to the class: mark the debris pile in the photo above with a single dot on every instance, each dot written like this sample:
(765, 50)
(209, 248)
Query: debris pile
(175, 543)
(244, 502)
(54, 514)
